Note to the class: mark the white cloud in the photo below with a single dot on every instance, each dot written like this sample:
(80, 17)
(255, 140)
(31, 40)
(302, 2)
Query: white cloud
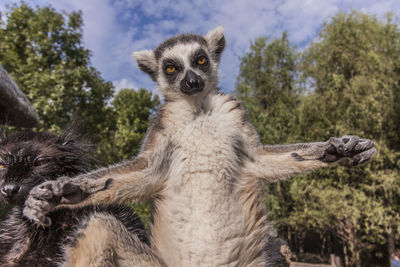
(123, 84)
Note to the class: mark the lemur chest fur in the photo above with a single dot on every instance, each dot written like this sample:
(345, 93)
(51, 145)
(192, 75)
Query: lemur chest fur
(206, 147)
(200, 202)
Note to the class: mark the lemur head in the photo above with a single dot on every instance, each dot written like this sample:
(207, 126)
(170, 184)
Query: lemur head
(30, 158)
(185, 65)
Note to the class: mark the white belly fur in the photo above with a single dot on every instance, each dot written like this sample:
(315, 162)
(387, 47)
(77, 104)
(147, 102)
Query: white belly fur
(199, 219)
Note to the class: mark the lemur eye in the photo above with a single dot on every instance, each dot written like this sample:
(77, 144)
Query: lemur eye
(2, 166)
(201, 60)
(41, 162)
(170, 69)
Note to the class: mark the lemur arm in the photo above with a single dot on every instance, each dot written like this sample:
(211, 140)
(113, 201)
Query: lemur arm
(275, 163)
(124, 183)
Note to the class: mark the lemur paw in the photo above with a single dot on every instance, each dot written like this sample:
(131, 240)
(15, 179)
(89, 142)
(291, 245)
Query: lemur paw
(45, 197)
(349, 146)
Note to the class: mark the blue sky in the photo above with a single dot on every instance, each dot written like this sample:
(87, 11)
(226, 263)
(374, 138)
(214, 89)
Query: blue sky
(114, 29)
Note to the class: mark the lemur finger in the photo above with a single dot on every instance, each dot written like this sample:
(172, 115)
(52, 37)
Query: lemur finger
(350, 141)
(41, 192)
(363, 145)
(58, 188)
(37, 216)
(363, 156)
(43, 220)
(336, 146)
(41, 205)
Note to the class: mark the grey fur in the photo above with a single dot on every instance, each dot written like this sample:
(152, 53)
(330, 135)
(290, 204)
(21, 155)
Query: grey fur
(180, 39)
(202, 164)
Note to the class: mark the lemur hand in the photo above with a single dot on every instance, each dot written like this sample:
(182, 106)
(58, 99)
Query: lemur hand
(45, 197)
(349, 146)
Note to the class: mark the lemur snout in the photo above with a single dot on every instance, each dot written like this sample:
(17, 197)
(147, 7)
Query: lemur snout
(192, 83)
(9, 190)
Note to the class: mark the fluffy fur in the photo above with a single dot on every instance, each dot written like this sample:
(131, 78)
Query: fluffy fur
(28, 159)
(201, 163)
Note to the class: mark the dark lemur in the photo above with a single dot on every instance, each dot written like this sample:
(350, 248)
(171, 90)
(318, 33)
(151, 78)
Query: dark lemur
(201, 162)
(28, 159)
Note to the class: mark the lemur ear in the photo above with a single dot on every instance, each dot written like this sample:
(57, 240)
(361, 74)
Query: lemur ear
(146, 62)
(216, 42)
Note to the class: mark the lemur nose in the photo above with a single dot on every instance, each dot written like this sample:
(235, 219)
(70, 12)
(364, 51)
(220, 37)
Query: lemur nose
(9, 190)
(192, 83)
(192, 79)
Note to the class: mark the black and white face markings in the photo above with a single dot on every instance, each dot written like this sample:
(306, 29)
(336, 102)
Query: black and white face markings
(190, 73)
(184, 65)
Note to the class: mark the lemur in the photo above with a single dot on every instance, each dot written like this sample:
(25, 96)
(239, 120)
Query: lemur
(201, 163)
(30, 158)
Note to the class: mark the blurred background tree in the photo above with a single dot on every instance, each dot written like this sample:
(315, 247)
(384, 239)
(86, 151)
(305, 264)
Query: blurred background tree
(132, 111)
(267, 85)
(42, 50)
(350, 84)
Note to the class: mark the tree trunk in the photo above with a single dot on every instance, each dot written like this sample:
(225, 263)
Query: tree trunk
(346, 256)
(354, 252)
(358, 258)
(301, 242)
(323, 247)
(390, 244)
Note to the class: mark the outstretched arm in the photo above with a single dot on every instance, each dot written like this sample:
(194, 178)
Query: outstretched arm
(275, 163)
(124, 183)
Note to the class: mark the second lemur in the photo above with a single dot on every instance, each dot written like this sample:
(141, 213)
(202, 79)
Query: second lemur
(30, 158)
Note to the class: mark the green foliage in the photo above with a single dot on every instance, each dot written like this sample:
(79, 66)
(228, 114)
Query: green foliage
(354, 73)
(131, 115)
(144, 210)
(268, 87)
(355, 77)
(43, 52)
(352, 85)
(133, 109)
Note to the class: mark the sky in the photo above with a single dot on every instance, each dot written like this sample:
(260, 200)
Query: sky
(114, 29)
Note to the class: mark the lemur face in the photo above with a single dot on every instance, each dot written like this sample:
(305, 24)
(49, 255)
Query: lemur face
(184, 65)
(28, 159)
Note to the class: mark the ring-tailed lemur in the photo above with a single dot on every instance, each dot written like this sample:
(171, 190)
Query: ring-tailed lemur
(201, 162)
(26, 160)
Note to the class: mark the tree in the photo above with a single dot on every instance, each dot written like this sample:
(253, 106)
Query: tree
(353, 71)
(267, 85)
(132, 111)
(350, 77)
(42, 50)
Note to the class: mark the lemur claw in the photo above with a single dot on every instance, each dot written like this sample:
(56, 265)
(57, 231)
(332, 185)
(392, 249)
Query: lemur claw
(363, 156)
(360, 150)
